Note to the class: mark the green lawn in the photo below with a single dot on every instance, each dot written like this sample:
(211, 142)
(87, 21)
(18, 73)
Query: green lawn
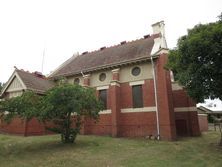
(106, 151)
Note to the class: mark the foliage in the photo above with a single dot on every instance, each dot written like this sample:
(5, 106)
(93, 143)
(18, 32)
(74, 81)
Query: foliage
(25, 106)
(63, 105)
(210, 118)
(1, 86)
(66, 104)
(196, 62)
(220, 17)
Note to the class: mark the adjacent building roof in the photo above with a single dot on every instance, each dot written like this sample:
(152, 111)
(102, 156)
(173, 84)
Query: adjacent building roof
(204, 110)
(35, 82)
(30, 81)
(108, 57)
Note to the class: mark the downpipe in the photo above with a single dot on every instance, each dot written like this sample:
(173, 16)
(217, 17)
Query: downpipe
(156, 102)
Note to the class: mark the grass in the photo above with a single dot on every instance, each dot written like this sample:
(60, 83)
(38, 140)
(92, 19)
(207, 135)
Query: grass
(48, 151)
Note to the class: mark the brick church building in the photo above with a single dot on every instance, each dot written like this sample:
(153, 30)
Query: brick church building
(139, 94)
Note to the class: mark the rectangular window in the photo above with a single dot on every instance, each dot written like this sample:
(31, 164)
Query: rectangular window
(137, 94)
(103, 97)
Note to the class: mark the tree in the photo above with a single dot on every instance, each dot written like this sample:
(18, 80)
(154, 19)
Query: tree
(196, 62)
(25, 106)
(1, 86)
(220, 17)
(67, 104)
(63, 105)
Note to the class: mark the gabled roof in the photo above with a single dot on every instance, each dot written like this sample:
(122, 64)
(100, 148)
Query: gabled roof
(108, 57)
(35, 83)
(29, 81)
(202, 109)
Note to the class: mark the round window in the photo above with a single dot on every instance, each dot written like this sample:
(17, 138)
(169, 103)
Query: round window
(76, 81)
(102, 77)
(136, 71)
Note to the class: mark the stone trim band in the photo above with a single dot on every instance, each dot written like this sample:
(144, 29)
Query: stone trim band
(144, 109)
(185, 109)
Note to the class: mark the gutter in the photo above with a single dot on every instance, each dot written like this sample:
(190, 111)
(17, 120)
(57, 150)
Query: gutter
(145, 58)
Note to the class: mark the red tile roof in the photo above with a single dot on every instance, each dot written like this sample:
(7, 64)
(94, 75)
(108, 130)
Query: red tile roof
(108, 57)
(34, 82)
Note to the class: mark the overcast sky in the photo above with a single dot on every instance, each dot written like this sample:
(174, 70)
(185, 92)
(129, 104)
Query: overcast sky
(64, 27)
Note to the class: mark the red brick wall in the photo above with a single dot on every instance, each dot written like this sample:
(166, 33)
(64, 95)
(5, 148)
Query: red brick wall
(115, 108)
(191, 122)
(130, 124)
(103, 127)
(126, 94)
(137, 124)
(25, 128)
(144, 123)
(104, 124)
(165, 103)
(148, 93)
(34, 127)
(203, 123)
(16, 126)
(181, 99)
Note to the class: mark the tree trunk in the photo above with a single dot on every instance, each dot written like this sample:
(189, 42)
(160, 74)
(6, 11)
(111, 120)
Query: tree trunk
(69, 134)
(67, 137)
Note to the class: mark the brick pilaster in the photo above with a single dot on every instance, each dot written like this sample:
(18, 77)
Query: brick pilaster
(86, 80)
(165, 101)
(115, 102)
(115, 74)
(86, 83)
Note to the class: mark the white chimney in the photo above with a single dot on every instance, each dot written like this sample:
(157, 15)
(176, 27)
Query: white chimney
(159, 28)
(160, 42)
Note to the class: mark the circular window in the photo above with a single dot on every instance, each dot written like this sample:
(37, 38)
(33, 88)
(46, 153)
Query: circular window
(76, 81)
(102, 77)
(136, 71)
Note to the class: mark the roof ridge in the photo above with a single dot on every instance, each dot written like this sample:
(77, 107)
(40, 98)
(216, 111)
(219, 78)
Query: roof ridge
(32, 74)
(63, 64)
(115, 45)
